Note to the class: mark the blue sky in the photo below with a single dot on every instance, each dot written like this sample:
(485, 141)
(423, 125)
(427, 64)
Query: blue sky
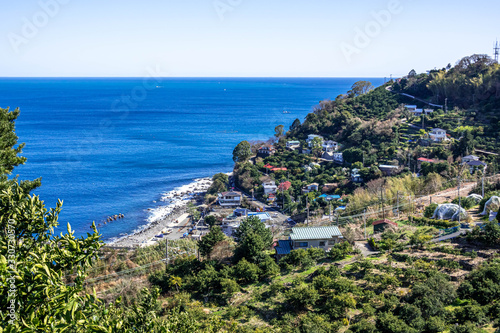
(276, 38)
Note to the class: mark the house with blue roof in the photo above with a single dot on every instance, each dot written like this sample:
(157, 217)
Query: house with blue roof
(303, 238)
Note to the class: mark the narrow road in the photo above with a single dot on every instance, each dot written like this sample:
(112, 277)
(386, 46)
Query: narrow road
(450, 236)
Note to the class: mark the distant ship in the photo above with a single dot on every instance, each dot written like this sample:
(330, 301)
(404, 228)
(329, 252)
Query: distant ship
(286, 112)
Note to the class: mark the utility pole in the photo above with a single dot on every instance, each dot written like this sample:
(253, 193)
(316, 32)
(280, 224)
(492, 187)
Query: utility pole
(446, 105)
(459, 200)
(382, 202)
(484, 174)
(307, 206)
(364, 220)
(166, 252)
(330, 211)
(410, 209)
(283, 194)
(397, 202)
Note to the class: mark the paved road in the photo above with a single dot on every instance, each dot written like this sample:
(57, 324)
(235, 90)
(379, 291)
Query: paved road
(450, 236)
(365, 248)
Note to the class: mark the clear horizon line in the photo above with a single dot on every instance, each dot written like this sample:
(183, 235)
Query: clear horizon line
(194, 77)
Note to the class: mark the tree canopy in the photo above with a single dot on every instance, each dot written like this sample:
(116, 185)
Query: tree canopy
(242, 152)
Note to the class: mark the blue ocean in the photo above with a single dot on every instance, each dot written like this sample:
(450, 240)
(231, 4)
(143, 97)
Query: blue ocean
(110, 146)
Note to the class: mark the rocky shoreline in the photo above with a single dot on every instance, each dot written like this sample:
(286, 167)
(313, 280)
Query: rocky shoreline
(172, 215)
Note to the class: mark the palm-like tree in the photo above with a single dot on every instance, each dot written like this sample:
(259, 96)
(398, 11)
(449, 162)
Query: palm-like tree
(176, 281)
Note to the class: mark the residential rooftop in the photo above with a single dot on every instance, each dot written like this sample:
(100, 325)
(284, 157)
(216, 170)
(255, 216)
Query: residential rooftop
(315, 233)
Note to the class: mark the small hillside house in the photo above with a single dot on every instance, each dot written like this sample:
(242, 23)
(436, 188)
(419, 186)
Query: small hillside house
(476, 165)
(330, 146)
(265, 151)
(417, 112)
(311, 137)
(229, 199)
(329, 187)
(380, 226)
(303, 238)
(338, 158)
(411, 108)
(355, 176)
(470, 158)
(388, 170)
(285, 186)
(292, 145)
(269, 187)
(311, 188)
(438, 135)
(424, 160)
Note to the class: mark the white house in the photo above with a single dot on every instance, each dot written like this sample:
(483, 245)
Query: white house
(355, 176)
(228, 199)
(311, 137)
(438, 135)
(228, 228)
(311, 188)
(338, 158)
(330, 146)
(269, 187)
(293, 144)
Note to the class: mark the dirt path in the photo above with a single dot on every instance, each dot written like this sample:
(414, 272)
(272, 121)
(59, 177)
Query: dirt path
(446, 195)
(449, 194)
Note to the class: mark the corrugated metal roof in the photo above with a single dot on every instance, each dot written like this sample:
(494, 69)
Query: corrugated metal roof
(314, 233)
(284, 247)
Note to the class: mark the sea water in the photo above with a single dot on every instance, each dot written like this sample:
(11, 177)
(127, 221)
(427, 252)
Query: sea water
(109, 146)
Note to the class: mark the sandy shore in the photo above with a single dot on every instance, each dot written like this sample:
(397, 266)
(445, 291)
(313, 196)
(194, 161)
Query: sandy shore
(165, 216)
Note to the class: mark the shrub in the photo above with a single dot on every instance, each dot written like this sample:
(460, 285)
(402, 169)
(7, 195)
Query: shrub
(229, 287)
(422, 221)
(483, 284)
(246, 272)
(466, 203)
(301, 296)
(297, 258)
(340, 251)
(316, 254)
(429, 210)
(471, 312)
(268, 267)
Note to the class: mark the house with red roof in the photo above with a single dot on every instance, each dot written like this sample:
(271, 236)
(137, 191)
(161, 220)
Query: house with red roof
(266, 151)
(381, 225)
(421, 160)
(284, 186)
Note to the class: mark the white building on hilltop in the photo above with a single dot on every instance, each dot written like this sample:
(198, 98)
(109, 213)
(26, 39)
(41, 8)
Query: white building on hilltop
(311, 137)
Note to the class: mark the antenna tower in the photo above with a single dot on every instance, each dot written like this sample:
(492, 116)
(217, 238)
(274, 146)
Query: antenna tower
(497, 51)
